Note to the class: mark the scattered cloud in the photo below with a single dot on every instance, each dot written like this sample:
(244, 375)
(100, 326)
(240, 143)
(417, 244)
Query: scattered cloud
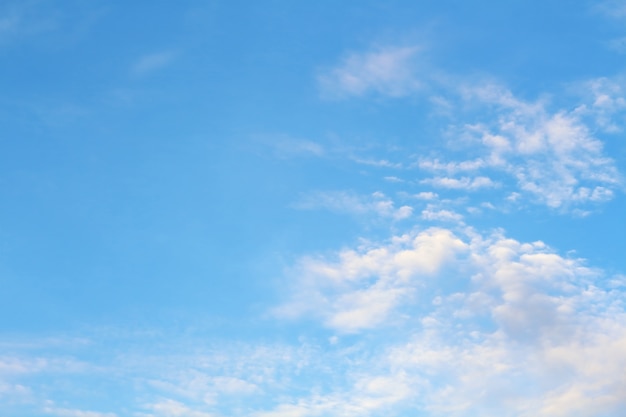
(551, 157)
(478, 323)
(390, 71)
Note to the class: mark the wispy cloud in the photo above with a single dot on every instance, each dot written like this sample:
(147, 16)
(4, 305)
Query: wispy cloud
(72, 412)
(152, 62)
(284, 146)
(173, 408)
(388, 71)
(20, 20)
(377, 204)
(463, 183)
(369, 394)
(613, 8)
(380, 163)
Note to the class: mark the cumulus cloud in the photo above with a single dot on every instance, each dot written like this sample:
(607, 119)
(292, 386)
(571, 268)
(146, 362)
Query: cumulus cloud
(437, 322)
(362, 288)
(524, 332)
(388, 71)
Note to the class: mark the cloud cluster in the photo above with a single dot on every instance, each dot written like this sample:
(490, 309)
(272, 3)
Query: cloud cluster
(550, 157)
(540, 154)
(496, 326)
(437, 321)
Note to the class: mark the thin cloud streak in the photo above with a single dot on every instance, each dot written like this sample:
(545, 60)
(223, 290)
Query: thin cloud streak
(389, 71)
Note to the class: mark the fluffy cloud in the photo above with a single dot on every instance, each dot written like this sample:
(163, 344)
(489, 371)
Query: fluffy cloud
(362, 288)
(523, 332)
(437, 321)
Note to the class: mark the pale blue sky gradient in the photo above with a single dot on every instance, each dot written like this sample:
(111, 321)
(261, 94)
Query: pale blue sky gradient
(294, 209)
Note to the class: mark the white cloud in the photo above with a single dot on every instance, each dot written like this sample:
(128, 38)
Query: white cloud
(451, 167)
(368, 394)
(285, 146)
(376, 204)
(426, 195)
(606, 99)
(10, 392)
(432, 213)
(389, 71)
(548, 156)
(381, 163)
(172, 408)
(12, 365)
(552, 157)
(362, 288)
(463, 183)
(202, 387)
(523, 332)
(454, 323)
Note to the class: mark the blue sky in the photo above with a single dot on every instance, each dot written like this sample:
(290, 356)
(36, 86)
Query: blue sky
(298, 209)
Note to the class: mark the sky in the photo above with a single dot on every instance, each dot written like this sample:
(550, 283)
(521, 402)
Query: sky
(297, 209)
